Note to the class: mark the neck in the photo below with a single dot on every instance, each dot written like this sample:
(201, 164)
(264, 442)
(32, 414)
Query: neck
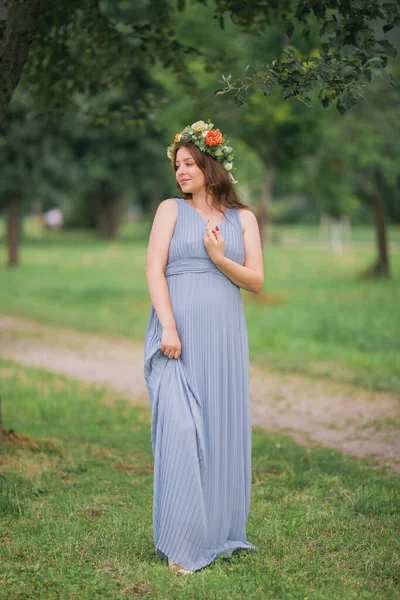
(202, 201)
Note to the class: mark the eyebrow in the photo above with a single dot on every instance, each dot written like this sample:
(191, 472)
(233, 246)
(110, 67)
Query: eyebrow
(188, 158)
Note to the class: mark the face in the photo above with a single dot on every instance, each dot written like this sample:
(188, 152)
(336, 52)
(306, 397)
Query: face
(189, 176)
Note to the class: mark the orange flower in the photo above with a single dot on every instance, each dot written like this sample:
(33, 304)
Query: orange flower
(176, 138)
(214, 137)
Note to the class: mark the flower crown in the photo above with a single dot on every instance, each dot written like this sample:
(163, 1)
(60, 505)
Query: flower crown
(208, 140)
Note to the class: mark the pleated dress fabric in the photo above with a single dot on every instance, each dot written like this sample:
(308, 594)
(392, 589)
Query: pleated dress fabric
(200, 404)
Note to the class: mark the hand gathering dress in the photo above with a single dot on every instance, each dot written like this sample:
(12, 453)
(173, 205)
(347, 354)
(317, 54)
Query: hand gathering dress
(200, 404)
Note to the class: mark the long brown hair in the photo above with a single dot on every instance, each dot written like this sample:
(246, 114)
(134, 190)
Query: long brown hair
(217, 181)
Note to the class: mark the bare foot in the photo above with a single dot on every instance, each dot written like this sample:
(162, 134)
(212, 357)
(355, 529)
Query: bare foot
(179, 569)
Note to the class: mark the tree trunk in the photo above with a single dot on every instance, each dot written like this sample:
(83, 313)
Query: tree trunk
(115, 214)
(382, 264)
(346, 227)
(324, 221)
(1, 422)
(101, 219)
(263, 212)
(13, 230)
(109, 218)
(336, 236)
(18, 25)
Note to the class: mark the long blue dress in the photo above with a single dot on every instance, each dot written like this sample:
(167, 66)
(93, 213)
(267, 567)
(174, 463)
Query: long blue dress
(201, 423)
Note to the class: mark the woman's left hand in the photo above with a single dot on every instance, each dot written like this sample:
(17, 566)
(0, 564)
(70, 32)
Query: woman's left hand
(214, 244)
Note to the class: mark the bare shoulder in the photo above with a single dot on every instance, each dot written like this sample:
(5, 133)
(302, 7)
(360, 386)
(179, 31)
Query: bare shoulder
(247, 218)
(168, 205)
(167, 210)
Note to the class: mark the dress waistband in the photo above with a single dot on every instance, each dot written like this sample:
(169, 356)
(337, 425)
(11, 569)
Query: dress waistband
(191, 265)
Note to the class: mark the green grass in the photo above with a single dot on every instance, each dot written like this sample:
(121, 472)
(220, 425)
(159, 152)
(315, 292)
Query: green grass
(321, 318)
(76, 497)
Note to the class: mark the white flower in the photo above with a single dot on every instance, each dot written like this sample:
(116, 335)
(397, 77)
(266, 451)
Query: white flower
(200, 126)
(232, 178)
(228, 166)
(204, 133)
(170, 153)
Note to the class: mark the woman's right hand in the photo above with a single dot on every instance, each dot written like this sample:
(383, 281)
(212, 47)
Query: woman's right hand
(170, 343)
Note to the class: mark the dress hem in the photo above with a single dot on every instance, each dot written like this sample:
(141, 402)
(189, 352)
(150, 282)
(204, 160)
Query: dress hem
(224, 552)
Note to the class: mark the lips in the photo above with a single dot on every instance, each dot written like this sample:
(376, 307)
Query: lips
(184, 180)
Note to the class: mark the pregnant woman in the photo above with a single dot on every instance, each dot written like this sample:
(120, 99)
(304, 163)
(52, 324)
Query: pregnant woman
(203, 247)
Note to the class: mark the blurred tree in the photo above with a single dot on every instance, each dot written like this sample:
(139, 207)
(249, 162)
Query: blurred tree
(110, 162)
(358, 159)
(79, 46)
(116, 152)
(375, 162)
(279, 134)
(32, 164)
(327, 182)
(83, 164)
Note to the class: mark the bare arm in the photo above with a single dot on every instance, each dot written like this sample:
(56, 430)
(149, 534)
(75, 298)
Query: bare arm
(249, 276)
(156, 261)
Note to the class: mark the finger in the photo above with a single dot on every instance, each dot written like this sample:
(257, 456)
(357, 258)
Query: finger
(209, 227)
(177, 354)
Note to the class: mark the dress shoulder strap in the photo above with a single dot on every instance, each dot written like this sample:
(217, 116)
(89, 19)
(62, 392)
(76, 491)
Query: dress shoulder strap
(181, 209)
(234, 215)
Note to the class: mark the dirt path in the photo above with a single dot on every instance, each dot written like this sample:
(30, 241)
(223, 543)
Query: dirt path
(359, 422)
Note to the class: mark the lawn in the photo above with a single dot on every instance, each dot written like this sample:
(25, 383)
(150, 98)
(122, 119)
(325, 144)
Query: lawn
(317, 316)
(75, 506)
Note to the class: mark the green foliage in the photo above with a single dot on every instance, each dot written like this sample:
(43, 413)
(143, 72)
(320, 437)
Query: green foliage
(113, 144)
(85, 47)
(84, 159)
(33, 163)
(348, 54)
(82, 47)
(264, 134)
